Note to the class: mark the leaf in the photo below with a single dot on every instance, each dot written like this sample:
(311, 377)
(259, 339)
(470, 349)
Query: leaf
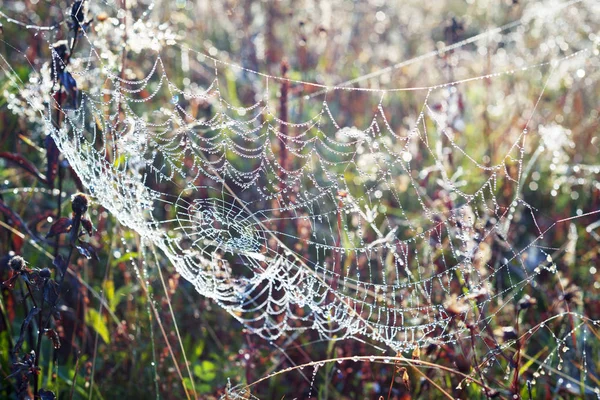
(77, 15)
(198, 387)
(17, 242)
(52, 154)
(31, 277)
(95, 320)
(121, 294)
(62, 225)
(40, 217)
(406, 379)
(10, 282)
(29, 142)
(22, 162)
(109, 292)
(75, 177)
(32, 313)
(416, 354)
(53, 336)
(207, 371)
(87, 250)
(87, 225)
(204, 388)
(126, 257)
(51, 294)
(199, 349)
(17, 222)
(188, 384)
(60, 264)
(4, 344)
(70, 86)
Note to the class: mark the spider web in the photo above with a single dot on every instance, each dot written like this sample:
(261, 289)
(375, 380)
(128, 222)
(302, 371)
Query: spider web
(294, 210)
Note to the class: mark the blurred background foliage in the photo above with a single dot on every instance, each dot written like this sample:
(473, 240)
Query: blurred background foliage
(126, 322)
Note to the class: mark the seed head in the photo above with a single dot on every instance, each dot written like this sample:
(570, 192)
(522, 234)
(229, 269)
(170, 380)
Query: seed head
(79, 203)
(526, 302)
(17, 263)
(508, 333)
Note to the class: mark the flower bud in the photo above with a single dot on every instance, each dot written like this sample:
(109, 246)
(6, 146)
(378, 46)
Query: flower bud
(79, 203)
(45, 273)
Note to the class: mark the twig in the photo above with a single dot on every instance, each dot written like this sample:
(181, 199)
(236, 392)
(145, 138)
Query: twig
(438, 387)
(74, 379)
(392, 383)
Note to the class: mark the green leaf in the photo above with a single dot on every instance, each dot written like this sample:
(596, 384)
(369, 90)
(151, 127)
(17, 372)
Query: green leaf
(204, 388)
(96, 321)
(125, 257)
(121, 160)
(199, 349)
(188, 384)
(121, 294)
(207, 371)
(109, 292)
(200, 387)
(4, 348)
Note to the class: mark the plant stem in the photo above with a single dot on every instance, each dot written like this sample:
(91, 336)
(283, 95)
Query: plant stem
(42, 328)
(392, 383)
(517, 358)
(74, 379)
(58, 203)
(475, 362)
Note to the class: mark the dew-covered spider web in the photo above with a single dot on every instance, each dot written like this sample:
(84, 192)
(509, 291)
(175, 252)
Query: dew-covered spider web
(387, 205)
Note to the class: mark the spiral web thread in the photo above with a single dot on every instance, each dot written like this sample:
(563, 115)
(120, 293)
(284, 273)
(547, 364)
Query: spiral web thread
(315, 223)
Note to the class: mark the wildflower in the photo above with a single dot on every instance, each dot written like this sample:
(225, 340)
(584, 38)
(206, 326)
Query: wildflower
(526, 302)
